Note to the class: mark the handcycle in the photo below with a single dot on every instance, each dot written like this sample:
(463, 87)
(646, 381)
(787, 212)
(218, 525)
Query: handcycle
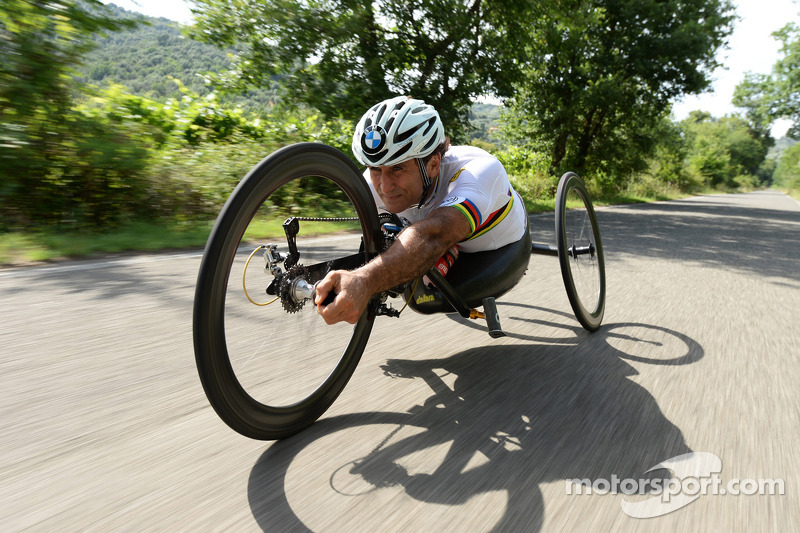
(272, 367)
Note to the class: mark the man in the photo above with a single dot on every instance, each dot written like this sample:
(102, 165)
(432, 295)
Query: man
(448, 196)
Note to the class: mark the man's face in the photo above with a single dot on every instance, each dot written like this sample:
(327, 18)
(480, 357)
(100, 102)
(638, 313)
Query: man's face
(400, 185)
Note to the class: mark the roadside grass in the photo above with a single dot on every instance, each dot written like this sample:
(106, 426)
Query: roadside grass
(31, 247)
(20, 248)
(24, 247)
(51, 244)
(540, 205)
(794, 193)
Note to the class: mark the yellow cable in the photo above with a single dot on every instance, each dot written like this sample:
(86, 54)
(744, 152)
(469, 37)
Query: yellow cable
(245, 287)
(412, 295)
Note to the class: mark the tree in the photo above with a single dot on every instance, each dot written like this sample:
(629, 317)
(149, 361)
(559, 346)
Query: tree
(724, 152)
(340, 56)
(776, 95)
(41, 43)
(43, 145)
(600, 75)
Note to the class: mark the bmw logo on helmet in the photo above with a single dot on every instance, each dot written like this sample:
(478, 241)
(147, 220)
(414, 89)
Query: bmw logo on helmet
(373, 139)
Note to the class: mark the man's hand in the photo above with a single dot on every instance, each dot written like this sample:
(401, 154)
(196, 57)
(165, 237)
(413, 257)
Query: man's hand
(414, 252)
(352, 297)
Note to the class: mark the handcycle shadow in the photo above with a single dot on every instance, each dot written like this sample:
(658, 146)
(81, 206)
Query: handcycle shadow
(533, 413)
(648, 336)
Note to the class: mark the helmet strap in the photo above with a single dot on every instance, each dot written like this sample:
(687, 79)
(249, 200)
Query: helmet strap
(426, 181)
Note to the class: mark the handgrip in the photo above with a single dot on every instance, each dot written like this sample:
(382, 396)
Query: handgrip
(329, 298)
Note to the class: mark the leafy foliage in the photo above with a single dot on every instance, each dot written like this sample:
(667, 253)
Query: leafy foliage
(50, 157)
(726, 152)
(776, 95)
(78, 149)
(41, 42)
(85, 156)
(485, 124)
(143, 58)
(600, 75)
(341, 56)
(787, 172)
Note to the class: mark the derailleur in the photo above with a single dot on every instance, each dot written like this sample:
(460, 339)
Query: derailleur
(382, 309)
(291, 286)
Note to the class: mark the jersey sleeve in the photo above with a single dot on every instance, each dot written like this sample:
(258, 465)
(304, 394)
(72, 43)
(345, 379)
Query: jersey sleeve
(481, 191)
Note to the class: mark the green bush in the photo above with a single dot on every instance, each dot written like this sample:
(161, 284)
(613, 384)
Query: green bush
(746, 182)
(114, 157)
(528, 172)
(78, 170)
(191, 182)
(787, 171)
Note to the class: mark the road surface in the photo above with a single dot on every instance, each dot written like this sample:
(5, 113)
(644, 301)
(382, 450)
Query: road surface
(106, 427)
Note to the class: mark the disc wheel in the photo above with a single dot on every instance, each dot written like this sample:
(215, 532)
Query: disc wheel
(271, 370)
(580, 251)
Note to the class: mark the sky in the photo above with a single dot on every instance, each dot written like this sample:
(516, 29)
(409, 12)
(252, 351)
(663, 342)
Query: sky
(751, 48)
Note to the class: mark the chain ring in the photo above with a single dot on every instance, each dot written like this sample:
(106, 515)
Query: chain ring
(287, 300)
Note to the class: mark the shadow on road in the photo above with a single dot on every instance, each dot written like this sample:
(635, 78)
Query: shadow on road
(536, 414)
(650, 338)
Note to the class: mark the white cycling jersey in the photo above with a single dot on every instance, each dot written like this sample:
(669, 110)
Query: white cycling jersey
(474, 182)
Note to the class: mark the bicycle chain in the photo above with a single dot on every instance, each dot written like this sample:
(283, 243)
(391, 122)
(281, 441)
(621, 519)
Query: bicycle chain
(326, 219)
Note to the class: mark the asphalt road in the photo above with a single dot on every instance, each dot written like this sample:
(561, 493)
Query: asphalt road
(105, 426)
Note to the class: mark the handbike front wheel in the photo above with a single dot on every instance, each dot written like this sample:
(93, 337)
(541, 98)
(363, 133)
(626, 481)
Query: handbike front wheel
(580, 251)
(268, 363)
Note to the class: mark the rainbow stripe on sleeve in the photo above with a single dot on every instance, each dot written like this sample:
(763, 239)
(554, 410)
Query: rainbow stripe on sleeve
(478, 227)
(472, 213)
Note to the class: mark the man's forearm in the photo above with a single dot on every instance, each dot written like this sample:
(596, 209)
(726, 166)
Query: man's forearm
(415, 251)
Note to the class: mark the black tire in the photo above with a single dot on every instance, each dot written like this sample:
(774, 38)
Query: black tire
(580, 251)
(248, 356)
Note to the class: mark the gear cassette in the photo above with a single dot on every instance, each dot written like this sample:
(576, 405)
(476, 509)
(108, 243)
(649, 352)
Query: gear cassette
(290, 304)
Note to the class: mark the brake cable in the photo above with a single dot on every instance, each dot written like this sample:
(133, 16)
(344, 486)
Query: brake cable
(244, 287)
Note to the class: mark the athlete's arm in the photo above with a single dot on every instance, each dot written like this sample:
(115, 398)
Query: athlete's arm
(415, 251)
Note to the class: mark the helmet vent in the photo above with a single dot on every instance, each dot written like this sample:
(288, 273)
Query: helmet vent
(396, 130)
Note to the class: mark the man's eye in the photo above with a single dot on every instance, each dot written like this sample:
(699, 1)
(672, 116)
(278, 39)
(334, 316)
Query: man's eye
(397, 168)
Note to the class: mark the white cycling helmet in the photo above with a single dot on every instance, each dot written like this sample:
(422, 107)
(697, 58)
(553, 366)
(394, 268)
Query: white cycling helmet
(397, 130)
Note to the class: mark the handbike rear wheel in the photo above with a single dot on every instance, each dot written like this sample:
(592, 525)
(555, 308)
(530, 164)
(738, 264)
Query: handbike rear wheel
(580, 251)
(270, 370)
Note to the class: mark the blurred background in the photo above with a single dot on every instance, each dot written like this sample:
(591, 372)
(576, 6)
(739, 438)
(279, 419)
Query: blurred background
(127, 127)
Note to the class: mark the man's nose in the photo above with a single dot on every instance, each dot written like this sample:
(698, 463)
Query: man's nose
(387, 183)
